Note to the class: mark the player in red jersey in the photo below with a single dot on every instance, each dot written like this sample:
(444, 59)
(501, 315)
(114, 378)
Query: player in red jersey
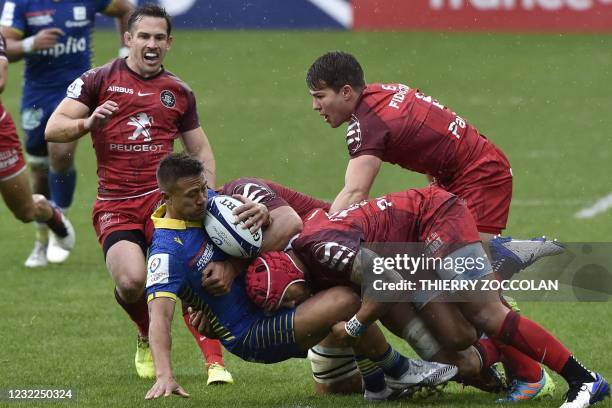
(134, 110)
(14, 185)
(330, 245)
(400, 125)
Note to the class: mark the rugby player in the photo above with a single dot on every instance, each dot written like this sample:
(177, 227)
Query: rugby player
(400, 125)
(134, 110)
(14, 185)
(55, 39)
(330, 246)
(180, 252)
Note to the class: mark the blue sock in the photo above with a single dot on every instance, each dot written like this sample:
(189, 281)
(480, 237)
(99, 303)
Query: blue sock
(373, 376)
(62, 186)
(392, 363)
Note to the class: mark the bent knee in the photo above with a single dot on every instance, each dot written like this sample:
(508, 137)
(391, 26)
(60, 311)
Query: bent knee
(459, 337)
(25, 213)
(130, 287)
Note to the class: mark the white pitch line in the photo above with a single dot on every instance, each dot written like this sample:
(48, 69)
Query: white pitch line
(602, 205)
(339, 10)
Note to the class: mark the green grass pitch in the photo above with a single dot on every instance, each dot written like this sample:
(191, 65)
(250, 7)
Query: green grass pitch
(544, 99)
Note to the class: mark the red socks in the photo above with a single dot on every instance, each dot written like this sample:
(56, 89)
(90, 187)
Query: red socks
(533, 340)
(211, 349)
(138, 312)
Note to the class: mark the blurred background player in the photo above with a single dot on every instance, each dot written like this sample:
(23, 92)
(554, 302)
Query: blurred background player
(135, 110)
(14, 185)
(399, 125)
(55, 39)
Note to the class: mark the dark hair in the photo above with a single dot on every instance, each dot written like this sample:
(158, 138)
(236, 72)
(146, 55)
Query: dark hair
(175, 166)
(150, 10)
(334, 70)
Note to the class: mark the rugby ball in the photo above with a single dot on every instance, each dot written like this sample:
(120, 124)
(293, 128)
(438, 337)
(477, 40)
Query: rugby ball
(229, 237)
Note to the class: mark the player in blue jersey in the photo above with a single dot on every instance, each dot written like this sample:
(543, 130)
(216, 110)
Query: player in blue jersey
(54, 37)
(181, 250)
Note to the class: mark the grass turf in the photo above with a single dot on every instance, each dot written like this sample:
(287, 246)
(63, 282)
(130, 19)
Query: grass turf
(541, 98)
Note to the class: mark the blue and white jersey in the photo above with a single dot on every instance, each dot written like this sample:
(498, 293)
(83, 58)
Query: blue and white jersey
(179, 253)
(71, 56)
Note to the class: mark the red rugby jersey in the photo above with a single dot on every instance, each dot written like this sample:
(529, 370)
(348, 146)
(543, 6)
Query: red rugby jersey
(152, 113)
(329, 243)
(403, 126)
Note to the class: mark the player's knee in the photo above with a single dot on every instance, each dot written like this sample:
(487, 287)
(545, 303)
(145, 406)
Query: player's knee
(334, 370)
(459, 336)
(129, 288)
(25, 213)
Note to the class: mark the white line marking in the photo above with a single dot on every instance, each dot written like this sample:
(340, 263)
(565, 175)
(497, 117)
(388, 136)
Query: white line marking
(339, 10)
(602, 205)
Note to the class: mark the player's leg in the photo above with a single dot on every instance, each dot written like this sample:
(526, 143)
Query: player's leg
(32, 115)
(403, 321)
(488, 313)
(376, 358)
(212, 353)
(334, 368)
(27, 208)
(62, 183)
(125, 260)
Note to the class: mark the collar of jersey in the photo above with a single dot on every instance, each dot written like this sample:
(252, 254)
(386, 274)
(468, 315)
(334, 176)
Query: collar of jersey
(124, 62)
(170, 223)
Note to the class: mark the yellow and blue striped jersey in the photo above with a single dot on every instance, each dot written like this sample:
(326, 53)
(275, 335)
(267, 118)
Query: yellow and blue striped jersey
(179, 253)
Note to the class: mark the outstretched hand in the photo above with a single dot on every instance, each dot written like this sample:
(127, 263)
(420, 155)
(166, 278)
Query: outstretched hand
(164, 387)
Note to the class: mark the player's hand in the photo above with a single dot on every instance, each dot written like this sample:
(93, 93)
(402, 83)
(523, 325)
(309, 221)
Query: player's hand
(217, 277)
(164, 387)
(343, 338)
(253, 214)
(198, 320)
(47, 38)
(101, 115)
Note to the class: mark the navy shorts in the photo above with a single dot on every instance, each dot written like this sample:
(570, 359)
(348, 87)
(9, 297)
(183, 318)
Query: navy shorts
(270, 340)
(37, 105)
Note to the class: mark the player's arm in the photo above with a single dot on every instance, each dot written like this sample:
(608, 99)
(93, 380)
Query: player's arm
(196, 144)
(371, 309)
(18, 47)
(285, 223)
(71, 120)
(121, 10)
(161, 311)
(360, 174)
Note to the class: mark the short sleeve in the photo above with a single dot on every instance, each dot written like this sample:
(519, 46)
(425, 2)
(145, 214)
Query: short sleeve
(190, 119)
(165, 276)
(255, 190)
(13, 15)
(85, 88)
(2, 47)
(366, 136)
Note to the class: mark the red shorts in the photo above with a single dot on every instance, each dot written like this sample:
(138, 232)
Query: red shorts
(11, 157)
(450, 227)
(124, 215)
(486, 187)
